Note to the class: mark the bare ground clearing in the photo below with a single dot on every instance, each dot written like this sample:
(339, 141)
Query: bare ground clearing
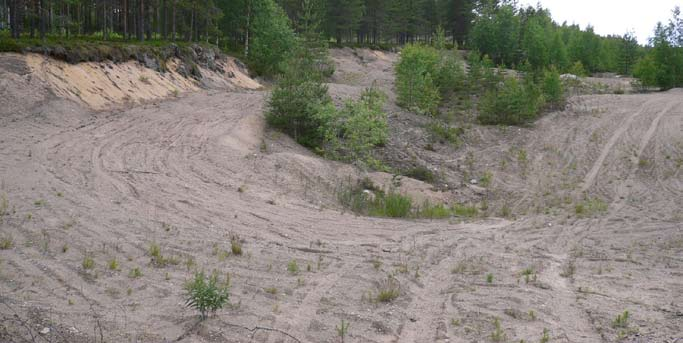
(190, 173)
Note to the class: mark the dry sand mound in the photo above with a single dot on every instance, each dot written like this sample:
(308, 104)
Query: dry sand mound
(99, 85)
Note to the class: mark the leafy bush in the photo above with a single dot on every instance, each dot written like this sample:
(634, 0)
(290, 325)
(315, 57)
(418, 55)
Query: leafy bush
(273, 38)
(433, 211)
(297, 100)
(444, 133)
(425, 74)
(205, 294)
(512, 103)
(375, 202)
(646, 71)
(352, 132)
(421, 173)
(553, 90)
(578, 69)
(415, 84)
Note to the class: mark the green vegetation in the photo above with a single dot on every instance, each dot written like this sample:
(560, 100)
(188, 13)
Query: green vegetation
(424, 74)
(88, 262)
(135, 273)
(498, 335)
(590, 206)
(365, 198)
(206, 294)
(6, 242)
(236, 246)
(621, 321)
(293, 267)
(421, 173)
(489, 278)
(388, 290)
(113, 264)
(343, 329)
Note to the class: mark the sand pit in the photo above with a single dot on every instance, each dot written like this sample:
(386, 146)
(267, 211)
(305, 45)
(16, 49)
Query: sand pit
(192, 173)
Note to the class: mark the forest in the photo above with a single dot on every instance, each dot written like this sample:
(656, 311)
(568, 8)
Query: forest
(264, 31)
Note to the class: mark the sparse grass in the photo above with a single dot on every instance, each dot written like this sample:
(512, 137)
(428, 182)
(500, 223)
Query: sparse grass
(421, 173)
(343, 330)
(430, 211)
(621, 321)
(376, 263)
(545, 337)
(65, 248)
(88, 262)
(6, 242)
(144, 79)
(643, 163)
(113, 264)
(466, 211)
(158, 260)
(532, 314)
(529, 275)
(498, 335)
(489, 278)
(486, 179)
(236, 246)
(590, 207)
(568, 270)
(270, 290)
(444, 133)
(39, 202)
(388, 290)
(4, 206)
(135, 273)
(292, 267)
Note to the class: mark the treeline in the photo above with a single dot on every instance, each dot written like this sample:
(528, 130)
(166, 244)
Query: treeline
(515, 36)
(663, 65)
(190, 20)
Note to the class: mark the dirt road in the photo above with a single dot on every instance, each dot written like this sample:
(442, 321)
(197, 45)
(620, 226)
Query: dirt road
(191, 173)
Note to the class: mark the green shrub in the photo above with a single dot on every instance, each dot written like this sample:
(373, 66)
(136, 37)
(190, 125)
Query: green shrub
(646, 71)
(578, 69)
(421, 173)
(513, 103)
(295, 105)
(415, 84)
(465, 211)
(205, 294)
(9, 45)
(444, 133)
(351, 133)
(433, 211)
(272, 38)
(553, 90)
(392, 205)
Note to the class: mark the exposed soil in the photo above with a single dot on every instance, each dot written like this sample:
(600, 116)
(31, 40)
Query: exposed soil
(192, 172)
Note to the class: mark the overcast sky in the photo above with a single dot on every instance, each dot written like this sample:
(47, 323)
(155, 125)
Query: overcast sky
(611, 16)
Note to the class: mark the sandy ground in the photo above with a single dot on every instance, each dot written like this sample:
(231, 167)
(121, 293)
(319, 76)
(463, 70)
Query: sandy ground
(193, 172)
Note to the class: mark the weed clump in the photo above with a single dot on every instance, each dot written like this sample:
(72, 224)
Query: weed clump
(205, 294)
(6, 242)
(388, 290)
(590, 207)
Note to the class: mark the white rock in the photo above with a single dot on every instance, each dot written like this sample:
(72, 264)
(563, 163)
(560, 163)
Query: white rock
(45, 331)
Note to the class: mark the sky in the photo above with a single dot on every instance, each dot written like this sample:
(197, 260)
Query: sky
(611, 16)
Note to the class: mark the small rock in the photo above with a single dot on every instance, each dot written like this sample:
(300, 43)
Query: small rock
(474, 181)
(45, 331)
